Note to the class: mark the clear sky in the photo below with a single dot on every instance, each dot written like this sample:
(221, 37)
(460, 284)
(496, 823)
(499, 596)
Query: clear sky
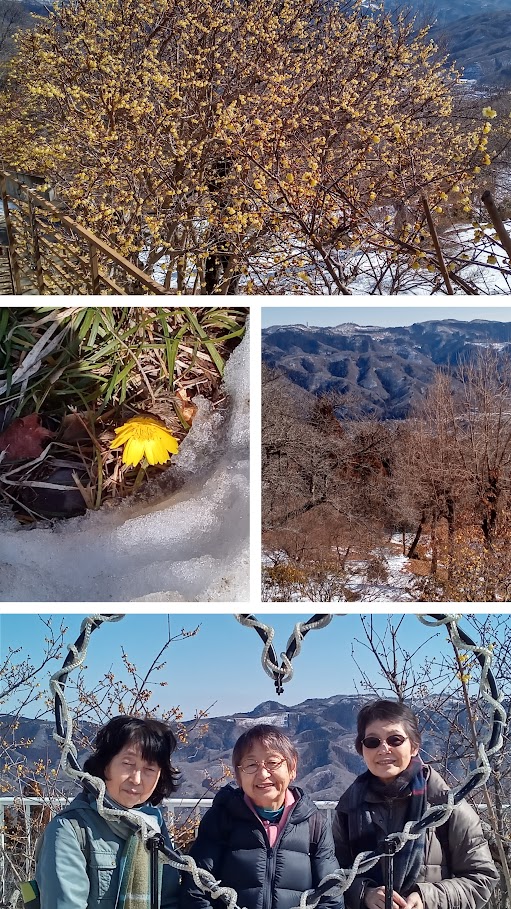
(380, 315)
(219, 669)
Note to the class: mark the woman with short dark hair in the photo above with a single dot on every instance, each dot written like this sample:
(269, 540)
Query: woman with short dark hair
(264, 838)
(392, 711)
(155, 741)
(88, 862)
(447, 867)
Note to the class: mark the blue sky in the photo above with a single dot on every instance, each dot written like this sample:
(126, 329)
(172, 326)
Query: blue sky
(220, 668)
(379, 315)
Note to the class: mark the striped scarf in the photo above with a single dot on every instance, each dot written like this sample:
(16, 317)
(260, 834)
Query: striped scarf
(363, 834)
(135, 886)
(135, 861)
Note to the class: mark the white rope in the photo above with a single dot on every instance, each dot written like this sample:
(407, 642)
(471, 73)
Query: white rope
(57, 685)
(206, 881)
(487, 655)
(285, 671)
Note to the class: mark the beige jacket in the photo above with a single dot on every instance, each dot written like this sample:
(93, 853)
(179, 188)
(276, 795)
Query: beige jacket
(458, 871)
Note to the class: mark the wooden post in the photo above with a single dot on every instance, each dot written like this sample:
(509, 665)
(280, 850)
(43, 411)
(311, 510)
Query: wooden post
(496, 220)
(94, 269)
(436, 244)
(32, 220)
(13, 258)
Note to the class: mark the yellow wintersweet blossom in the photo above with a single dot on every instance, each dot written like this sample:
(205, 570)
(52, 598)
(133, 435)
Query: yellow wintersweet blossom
(145, 436)
(489, 112)
(259, 137)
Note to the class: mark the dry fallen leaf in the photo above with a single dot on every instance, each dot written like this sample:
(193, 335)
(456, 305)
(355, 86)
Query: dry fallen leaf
(74, 428)
(188, 410)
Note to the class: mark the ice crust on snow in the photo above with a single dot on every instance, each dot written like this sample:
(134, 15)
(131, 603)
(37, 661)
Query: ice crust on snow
(186, 539)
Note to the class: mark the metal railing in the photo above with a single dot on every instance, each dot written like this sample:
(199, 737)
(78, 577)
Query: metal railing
(20, 810)
(50, 253)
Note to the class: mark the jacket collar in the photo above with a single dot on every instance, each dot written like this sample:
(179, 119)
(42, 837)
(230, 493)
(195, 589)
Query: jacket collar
(231, 799)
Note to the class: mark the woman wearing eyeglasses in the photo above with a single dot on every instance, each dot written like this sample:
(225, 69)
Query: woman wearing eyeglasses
(264, 838)
(447, 867)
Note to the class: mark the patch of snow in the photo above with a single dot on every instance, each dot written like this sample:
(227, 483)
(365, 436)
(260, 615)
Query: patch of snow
(496, 345)
(186, 539)
(395, 585)
(276, 719)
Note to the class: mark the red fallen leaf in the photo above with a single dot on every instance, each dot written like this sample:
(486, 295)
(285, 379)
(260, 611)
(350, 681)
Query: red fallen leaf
(24, 438)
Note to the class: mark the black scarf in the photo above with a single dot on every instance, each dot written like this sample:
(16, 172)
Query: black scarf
(364, 836)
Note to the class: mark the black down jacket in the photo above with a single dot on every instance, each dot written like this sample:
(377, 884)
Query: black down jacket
(232, 844)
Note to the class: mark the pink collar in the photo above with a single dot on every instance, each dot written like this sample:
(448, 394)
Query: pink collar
(273, 830)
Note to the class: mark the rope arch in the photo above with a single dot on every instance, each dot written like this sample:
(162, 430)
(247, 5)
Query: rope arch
(281, 673)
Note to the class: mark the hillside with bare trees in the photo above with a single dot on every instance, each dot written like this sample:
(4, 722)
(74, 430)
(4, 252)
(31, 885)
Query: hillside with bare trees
(410, 509)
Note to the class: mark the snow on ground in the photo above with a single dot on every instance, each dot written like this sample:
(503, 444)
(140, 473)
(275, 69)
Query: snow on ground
(489, 277)
(371, 273)
(187, 539)
(394, 587)
(395, 584)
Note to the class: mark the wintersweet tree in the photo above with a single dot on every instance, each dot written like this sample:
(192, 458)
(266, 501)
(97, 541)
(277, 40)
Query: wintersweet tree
(250, 146)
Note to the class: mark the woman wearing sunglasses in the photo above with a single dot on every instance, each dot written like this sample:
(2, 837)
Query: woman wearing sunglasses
(264, 838)
(447, 867)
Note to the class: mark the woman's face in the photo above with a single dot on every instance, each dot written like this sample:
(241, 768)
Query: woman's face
(388, 761)
(129, 778)
(266, 788)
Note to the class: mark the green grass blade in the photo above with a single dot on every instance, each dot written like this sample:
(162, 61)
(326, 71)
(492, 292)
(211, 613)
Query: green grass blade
(207, 342)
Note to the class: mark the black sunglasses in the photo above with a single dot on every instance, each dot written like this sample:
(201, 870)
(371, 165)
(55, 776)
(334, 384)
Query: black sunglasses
(372, 741)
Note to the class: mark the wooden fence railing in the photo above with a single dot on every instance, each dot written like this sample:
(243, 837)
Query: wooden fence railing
(50, 253)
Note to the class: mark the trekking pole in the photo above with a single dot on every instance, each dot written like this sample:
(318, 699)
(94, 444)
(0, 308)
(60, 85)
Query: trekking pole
(154, 844)
(390, 845)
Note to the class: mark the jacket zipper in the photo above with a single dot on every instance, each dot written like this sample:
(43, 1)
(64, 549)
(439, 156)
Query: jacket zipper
(271, 864)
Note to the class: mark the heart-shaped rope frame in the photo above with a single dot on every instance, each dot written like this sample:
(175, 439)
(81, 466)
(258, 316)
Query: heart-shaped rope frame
(282, 673)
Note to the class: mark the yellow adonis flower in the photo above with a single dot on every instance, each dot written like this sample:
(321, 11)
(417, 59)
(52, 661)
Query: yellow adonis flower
(145, 436)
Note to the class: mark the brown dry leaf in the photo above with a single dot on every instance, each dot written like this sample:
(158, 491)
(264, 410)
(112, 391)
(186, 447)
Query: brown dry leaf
(24, 438)
(87, 492)
(188, 409)
(74, 428)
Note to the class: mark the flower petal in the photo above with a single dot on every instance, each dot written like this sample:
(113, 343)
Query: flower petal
(153, 452)
(133, 452)
(123, 434)
(171, 443)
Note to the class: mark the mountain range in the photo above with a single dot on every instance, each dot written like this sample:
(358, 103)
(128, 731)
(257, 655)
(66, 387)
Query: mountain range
(476, 34)
(479, 44)
(371, 371)
(323, 730)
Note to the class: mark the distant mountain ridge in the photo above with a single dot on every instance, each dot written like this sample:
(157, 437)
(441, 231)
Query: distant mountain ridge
(475, 33)
(323, 730)
(379, 372)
